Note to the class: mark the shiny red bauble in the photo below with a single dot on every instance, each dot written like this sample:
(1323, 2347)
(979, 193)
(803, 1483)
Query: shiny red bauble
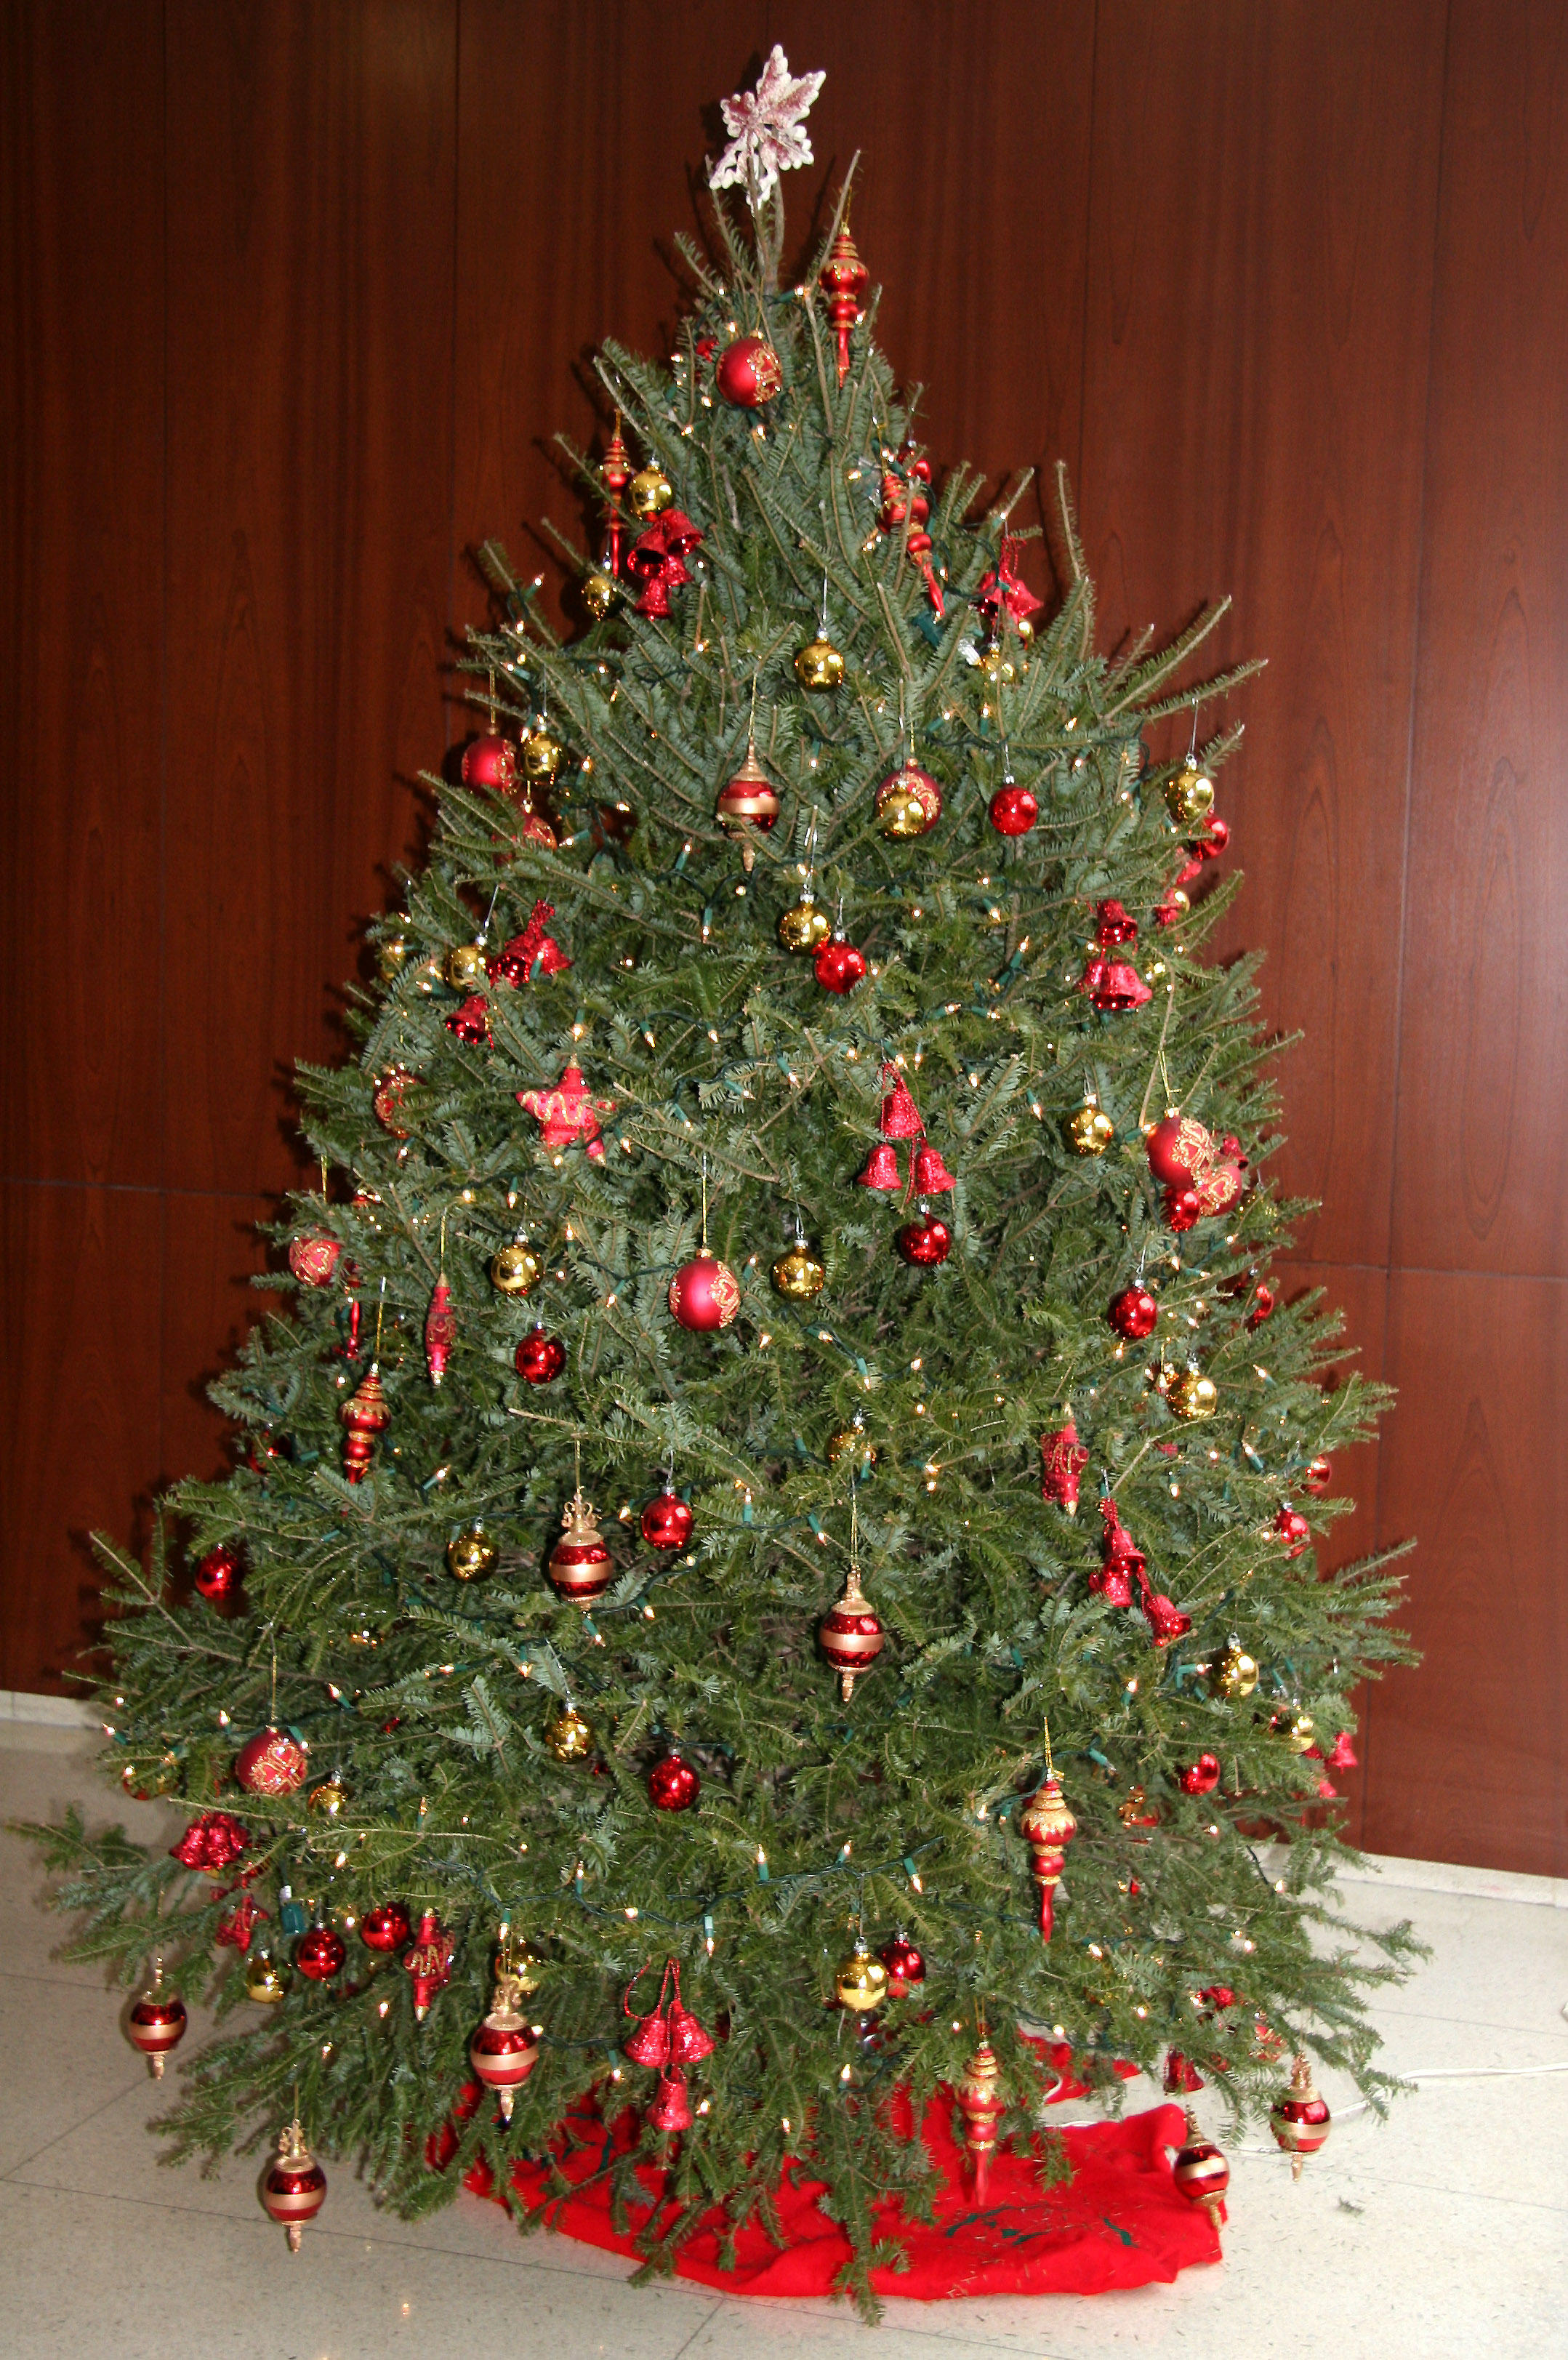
(272, 1763)
(904, 1964)
(748, 372)
(704, 1295)
(1211, 845)
(155, 2024)
(1292, 1527)
(314, 1257)
(503, 2053)
(839, 966)
(1319, 1476)
(386, 1928)
(1182, 1211)
(540, 1358)
(672, 1784)
(925, 1242)
(217, 1575)
(1134, 1313)
(1179, 1149)
(1263, 1301)
(490, 763)
(1200, 2172)
(667, 1522)
(1014, 811)
(320, 1953)
(1202, 1777)
(293, 2186)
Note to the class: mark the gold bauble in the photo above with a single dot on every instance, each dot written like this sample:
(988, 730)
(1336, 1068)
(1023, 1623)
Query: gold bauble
(819, 665)
(1191, 1396)
(861, 1982)
(1189, 796)
(471, 1555)
(1297, 1730)
(515, 1268)
(541, 757)
(850, 1442)
(805, 927)
(799, 1274)
(903, 815)
(568, 1735)
(1024, 628)
(328, 1798)
(390, 954)
(598, 588)
(1089, 1130)
(1178, 900)
(1232, 1673)
(997, 665)
(464, 968)
(266, 1981)
(648, 491)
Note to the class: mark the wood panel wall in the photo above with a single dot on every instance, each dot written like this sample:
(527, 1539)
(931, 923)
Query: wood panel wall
(295, 295)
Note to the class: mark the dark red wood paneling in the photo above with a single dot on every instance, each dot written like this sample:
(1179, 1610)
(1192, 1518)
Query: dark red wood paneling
(1483, 1160)
(81, 294)
(1258, 308)
(310, 222)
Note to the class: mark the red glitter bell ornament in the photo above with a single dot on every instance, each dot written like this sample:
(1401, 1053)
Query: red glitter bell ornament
(1013, 809)
(533, 952)
(839, 967)
(1166, 1621)
(490, 762)
(293, 2186)
(1134, 1314)
(366, 1415)
(428, 1962)
(470, 1022)
(704, 1295)
(672, 1784)
(314, 1257)
(672, 2109)
(502, 2051)
(843, 279)
(155, 2021)
(689, 2041)
(1202, 1776)
(925, 1242)
(1047, 1827)
(1062, 1460)
(749, 802)
(386, 1927)
(1115, 986)
(900, 1117)
(931, 1176)
(881, 1169)
(320, 1953)
(217, 1574)
(748, 373)
(273, 1762)
(981, 2106)
(1202, 2173)
(212, 1844)
(666, 1522)
(539, 1358)
(580, 1568)
(851, 1635)
(1300, 2119)
(905, 1966)
(441, 1331)
(1123, 1566)
(1181, 2076)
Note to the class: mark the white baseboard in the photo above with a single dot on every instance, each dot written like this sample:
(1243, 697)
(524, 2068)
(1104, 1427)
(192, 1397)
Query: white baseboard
(49, 1712)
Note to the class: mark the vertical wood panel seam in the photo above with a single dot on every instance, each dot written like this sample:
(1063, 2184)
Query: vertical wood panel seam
(1088, 255)
(453, 378)
(160, 1438)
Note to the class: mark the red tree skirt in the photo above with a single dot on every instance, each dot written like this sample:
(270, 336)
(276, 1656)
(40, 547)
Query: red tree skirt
(1119, 2222)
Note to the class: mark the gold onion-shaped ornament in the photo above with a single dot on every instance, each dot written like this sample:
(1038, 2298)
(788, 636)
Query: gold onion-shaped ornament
(1189, 796)
(819, 665)
(748, 802)
(266, 1981)
(799, 1274)
(471, 1555)
(804, 928)
(515, 1268)
(861, 1982)
(1089, 1130)
(850, 1442)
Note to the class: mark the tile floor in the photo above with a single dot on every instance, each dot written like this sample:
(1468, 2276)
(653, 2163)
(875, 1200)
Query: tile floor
(1444, 2233)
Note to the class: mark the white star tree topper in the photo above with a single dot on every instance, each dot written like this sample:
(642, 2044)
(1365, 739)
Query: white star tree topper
(768, 129)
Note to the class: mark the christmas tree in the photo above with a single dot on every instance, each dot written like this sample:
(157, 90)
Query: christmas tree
(778, 1498)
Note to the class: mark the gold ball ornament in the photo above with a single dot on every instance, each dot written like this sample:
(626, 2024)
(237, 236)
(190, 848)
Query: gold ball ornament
(861, 1982)
(1089, 1130)
(805, 928)
(902, 816)
(997, 665)
(1297, 1728)
(328, 1799)
(1189, 796)
(568, 1735)
(799, 1274)
(598, 589)
(819, 665)
(1232, 1673)
(464, 969)
(1190, 1397)
(266, 1981)
(649, 492)
(515, 1268)
(1024, 628)
(851, 1442)
(470, 1557)
(391, 954)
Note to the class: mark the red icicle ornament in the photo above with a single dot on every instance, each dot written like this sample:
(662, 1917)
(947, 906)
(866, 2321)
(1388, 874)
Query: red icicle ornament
(1047, 1827)
(366, 1415)
(843, 279)
(1062, 1462)
(982, 2107)
(441, 1331)
(428, 1962)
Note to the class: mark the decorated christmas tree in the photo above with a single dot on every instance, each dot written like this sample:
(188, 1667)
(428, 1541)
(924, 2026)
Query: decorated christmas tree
(770, 1578)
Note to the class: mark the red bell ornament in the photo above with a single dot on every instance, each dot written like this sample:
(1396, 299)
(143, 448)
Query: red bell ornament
(155, 2021)
(900, 1117)
(386, 1927)
(1013, 810)
(314, 1257)
(580, 1568)
(672, 2109)
(704, 1295)
(1180, 2075)
(428, 1962)
(666, 1522)
(851, 1635)
(293, 2186)
(649, 2044)
(1047, 1827)
(217, 1574)
(843, 279)
(366, 1415)
(1114, 986)
(689, 2041)
(925, 1242)
(931, 1176)
(1202, 1776)
(981, 2104)
(749, 802)
(1134, 1314)
(533, 952)
(212, 1844)
(1062, 1460)
(672, 1784)
(441, 1331)
(839, 967)
(1202, 2173)
(539, 1358)
(1123, 1565)
(1166, 1621)
(1113, 927)
(748, 373)
(470, 1022)
(1300, 2119)
(502, 2051)
(905, 1966)
(881, 1169)
(272, 1763)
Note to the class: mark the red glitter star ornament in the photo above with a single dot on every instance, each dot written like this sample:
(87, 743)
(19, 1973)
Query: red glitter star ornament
(569, 1112)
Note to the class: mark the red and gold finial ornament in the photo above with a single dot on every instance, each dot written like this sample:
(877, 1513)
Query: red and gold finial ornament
(154, 2022)
(581, 1566)
(293, 2186)
(428, 1962)
(614, 474)
(502, 2051)
(851, 1635)
(1300, 2119)
(1047, 1827)
(366, 1415)
(843, 279)
(1200, 2172)
(982, 2105)
(748, 802)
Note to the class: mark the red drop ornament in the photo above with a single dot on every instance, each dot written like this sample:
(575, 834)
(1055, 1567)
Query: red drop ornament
(385, 1928)
(925, 1242)
(218, 1572)
(539, 1358)
(1134, 1313)
(366, 1415)
(320, 1953)
(843, 279)
(1013, 810)
(1047, 1827)
(666, 1521)
(672, 1784)
(704, 1295)
(839, 967)
(748, 372)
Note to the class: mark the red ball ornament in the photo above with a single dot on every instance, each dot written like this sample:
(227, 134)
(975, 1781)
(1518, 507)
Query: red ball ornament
(1263, 1302)
(704, 1295)
(320, 1953)
(385, 1928)
(1179, 1149)
(272, 1763)
(502, 2051)
(1300, 2119)
(155, 2023)
(672, 1784)
(925, 1242)
(1211, 845)
(666, 1521)
(540, 1358)
(1319, 1476)
(748, 372)
(1182, 1211)
(490, 763)
(1014, 810)
(904, 1964)
(851, 1636)
(839, 967)
(1292, 1527)
(314, 1257)
(293, 2186)
(1202, 2173)
(1134, 1313)
(1202, 1776)
(218, 1572)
